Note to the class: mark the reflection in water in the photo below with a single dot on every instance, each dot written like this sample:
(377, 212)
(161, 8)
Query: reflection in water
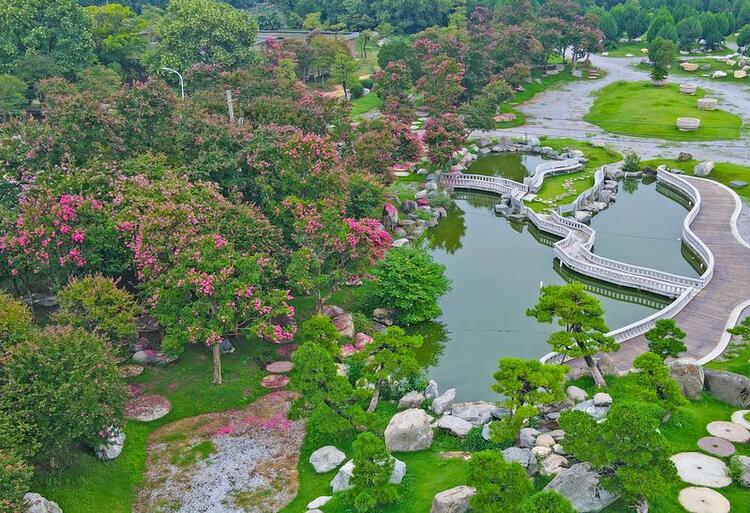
(497, 269)
(514, 166)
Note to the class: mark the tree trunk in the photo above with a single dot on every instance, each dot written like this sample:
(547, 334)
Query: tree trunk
(595, 373)
(374, 400)
(216, 350)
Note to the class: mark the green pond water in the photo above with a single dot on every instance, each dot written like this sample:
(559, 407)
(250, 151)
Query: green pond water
(497, 268)
(515, 166)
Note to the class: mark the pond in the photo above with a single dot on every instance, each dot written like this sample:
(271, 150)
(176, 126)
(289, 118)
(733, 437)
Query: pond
(514, 166)
(497, 268)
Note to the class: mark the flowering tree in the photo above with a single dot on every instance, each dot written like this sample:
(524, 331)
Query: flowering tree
(331, 249)
(444, 134)
(440, 84)
(212, 290)
(393, 85)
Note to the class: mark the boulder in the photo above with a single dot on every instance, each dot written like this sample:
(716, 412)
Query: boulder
(545, 440)
(152, 357)
(596, 412)
(689, 66)
(557, 434)
(689, 375)
(728, 387)
(742, 466)
(527, 437)
(409, 206)
(541, 452)
(409, 431)
(553, 464)
(444, 401)
(740, 73)
(326, 459)
(718, 74)
(319, 502)
(602, 399)
(454, 500)
(432, 391)
(606, 365)
(576, 394)
(456, 426)
(342, 479)
(413, 399)
(580, 485)
(684, 156)
(523, 457)
(113, 445)
(35, 503)
(476, 412)
(704, 168)
(384, 316)
(582, 216)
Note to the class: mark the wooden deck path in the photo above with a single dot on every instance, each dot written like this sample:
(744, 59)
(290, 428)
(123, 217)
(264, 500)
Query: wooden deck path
(716, 307)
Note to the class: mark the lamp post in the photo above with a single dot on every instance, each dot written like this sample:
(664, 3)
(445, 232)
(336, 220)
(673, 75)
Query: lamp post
(182, 83)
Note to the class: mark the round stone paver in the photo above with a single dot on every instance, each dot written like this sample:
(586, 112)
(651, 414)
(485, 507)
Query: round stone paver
(716, 446)
(275, 381)
(280, 367)
(130, 371)
(729, 431)
(738, 417)
(699, 469)
(697, 499)
(287, 350)
(147, 408)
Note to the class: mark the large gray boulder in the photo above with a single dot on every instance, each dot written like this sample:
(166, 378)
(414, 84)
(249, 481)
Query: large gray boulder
(444, 401)
(580, 485)
(35, 503)
(704, 168)
(326, 459)
(409, 431)
(742, 464)
(432, 391)
(522, 456)
(477, 412)
(588, 406)
(454, 500)
(689, 375)
(342, 479)
(456, 426)
(112, 448)
(413, 399)
(576, 394)
(728, 387)
(527, 437)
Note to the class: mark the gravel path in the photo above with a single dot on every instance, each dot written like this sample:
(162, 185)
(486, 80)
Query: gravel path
(559, 113)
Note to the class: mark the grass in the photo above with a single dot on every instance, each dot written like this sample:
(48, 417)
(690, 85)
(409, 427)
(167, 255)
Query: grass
(365, 104)
(553, 188)
(520, 118)
(712, 63)
(724, 172)
(634, 48)
(541, 82)
(641, 110)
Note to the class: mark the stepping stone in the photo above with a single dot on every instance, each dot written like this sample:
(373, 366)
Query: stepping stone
(130, 371)
(275, 381)
(286, 351)
(280, 367)
(147, 408)
(740, 417)
(729, 431)
(696, 499)
(716, 446)
(699, 469)
(737, 184)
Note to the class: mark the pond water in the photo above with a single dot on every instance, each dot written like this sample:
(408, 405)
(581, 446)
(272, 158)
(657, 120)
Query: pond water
(497, 268)
(514, 166)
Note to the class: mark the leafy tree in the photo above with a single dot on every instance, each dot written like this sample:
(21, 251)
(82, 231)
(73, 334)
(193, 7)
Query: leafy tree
(713, 29)
(204, 31)
(608, 25)
(13, 101)
(480, 112)
(15, 481)
(116, 32)
(525, 384)
(743, 39)
(399, 49)
(628, 450)
(319, 329)
(583, 319)
(373, 466)
(393, 85)
(662, 19)
(631, 18)
(500, 486)
(547, 502)
(343, 71)
(15, 321)
(56, 388)
(661, 52)
(666, 339)
(440, 84)
(444, 135)
(55, 29)
(654, 384)
(96, 304)
(409, 281)
(99, 81)
(365, 195)
(390, 357)
(689, 31)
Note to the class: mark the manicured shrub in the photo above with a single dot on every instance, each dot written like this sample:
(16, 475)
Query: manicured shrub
(15, 321)
(501, 486)
(666, 339)
(367, 83)
(357, 90)
(58, 387)
(372, 470)
(15, 480)
(631, 163)
(319, 329)
(548, 502)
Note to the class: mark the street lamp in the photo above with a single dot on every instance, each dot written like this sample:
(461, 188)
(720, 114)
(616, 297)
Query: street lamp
(182, 83)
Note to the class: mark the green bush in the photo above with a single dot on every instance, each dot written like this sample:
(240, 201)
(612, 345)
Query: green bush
(372, 470)
(356, 90)
(631, 163)
(548, 502)
(367, 83)
(15, 480)
(15, 321)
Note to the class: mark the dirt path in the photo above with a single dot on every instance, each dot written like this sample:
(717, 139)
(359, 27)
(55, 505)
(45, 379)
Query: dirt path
(227, 462)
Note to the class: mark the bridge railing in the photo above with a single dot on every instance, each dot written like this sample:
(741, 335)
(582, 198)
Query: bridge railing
(485, 183)
(586, 195)
(546, 169)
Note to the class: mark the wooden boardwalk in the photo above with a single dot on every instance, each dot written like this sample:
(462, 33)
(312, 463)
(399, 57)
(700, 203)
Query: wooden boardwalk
(706, 317)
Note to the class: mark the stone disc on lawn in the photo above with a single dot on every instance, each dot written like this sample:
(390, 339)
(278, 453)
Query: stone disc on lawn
(287, 350)
(130, 371)
(147, 408)
(696, 499)
(275, 381)
(700, 469)
(729, 431)
(280, 367)
(739, 417)
(716, 446)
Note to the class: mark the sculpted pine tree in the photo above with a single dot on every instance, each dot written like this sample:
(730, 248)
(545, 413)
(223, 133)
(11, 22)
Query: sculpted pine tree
(583, 319)
(666, 339)
(500, 485)
(371, 475)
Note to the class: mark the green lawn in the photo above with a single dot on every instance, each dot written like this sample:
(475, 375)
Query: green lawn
(639, 109)
(553, 188)
(623, 49)
(520, 118)
(541, 82)
(365, 104)
(713, 64)
(724, 172)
